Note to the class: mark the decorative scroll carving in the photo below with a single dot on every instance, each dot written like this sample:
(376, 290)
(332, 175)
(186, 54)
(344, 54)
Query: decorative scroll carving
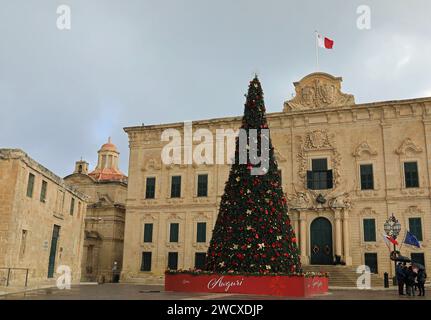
(317, 140)
(340, 201)
(408, 146)
(300, 200)
(318, 90)
(364, 148)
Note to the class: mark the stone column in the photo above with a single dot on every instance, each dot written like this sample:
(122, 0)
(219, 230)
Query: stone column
(338, 238)
(303, 237)
(295, 220)
(346, 238)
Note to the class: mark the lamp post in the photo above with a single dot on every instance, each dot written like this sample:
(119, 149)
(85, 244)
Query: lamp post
(392, 228)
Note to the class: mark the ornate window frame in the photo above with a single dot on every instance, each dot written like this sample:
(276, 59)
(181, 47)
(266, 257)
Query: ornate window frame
(149, 218)
(201, 217)
(409, 151)
(175, 218)
(365, 154)
(318, 144)
(368, 213)
(416, 212)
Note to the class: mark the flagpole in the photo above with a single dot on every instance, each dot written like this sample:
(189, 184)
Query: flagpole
(317, 49)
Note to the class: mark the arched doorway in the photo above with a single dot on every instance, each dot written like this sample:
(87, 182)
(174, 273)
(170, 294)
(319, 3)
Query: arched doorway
(321, 242)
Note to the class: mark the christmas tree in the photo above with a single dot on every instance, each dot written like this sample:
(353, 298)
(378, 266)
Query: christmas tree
(253, 233)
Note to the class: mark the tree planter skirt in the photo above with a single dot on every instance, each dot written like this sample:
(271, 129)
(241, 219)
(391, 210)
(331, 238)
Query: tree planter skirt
(282, 286)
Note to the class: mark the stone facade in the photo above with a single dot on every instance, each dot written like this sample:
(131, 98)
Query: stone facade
(33, 203)
(321, 122)
(106, 188)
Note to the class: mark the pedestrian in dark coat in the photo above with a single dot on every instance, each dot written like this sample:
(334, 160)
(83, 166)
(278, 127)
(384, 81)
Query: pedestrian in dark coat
(410, 281)
(401, 278)
(421, 278)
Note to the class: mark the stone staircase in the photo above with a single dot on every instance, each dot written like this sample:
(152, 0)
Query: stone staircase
(343, 276)
(146, 280)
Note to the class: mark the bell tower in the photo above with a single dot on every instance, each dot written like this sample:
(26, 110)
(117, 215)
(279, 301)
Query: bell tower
(81, 167)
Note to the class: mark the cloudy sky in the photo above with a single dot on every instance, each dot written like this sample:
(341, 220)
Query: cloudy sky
(123, 63)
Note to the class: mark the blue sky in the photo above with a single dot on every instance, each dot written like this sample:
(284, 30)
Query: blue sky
(123, 63)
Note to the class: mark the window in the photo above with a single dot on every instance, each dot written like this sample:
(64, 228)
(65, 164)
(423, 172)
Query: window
(418, 258)
(79, 209)
(371, 262)
(148, 232)
(176, 187)
(174, 232)
(146, 261)
(411, 174)
(43, 191)
(320, 178)
(60, 202)
(200, 260)
(367, 178)
(202, 185)
(150, 189)
(369, 230)
(415, 227)
(30, 185)
(72, 206)
(23, 244)
(201, 232)
(173, 260)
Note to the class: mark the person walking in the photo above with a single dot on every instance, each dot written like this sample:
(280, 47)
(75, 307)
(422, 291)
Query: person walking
(401, 278)
(410, 281)
(421, 278)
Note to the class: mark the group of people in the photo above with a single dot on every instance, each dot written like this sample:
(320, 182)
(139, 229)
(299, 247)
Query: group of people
(411, 279)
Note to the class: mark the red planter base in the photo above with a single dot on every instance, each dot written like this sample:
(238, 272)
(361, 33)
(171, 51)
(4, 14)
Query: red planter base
(282, 286)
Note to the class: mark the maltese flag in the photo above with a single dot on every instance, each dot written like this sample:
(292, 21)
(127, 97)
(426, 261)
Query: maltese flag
(324, 42)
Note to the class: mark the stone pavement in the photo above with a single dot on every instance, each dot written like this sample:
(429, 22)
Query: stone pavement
(146, 292)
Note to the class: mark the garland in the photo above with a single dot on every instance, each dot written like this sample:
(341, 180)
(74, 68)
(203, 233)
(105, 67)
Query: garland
(198, 272)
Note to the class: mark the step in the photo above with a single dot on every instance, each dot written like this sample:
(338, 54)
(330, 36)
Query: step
(343, 276)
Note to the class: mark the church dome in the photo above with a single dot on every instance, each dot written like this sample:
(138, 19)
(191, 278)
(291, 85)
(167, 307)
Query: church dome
(109, 146)
(107, 165)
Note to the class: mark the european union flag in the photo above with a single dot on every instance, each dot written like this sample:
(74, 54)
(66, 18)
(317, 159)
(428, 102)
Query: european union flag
(412, 240)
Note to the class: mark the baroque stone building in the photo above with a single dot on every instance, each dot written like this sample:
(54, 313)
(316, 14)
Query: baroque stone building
(106, 188)
(346, 168)
(41, 223)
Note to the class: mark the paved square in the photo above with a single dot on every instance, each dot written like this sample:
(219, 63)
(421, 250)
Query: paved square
(147, 292)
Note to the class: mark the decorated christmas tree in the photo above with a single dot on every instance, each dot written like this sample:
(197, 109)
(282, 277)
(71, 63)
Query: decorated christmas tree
(253, 233)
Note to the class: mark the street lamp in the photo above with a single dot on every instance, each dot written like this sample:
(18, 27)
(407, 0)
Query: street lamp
(392, 228)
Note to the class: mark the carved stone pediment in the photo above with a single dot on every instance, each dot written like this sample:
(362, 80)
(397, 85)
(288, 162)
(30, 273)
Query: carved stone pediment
(368, 212)
(318, 90)
(175, 216)
(414, 211)
(175, 166)
(408, 146)
(152, 165)
(362, 149)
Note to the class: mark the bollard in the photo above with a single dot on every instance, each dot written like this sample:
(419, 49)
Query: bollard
(386, 280)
